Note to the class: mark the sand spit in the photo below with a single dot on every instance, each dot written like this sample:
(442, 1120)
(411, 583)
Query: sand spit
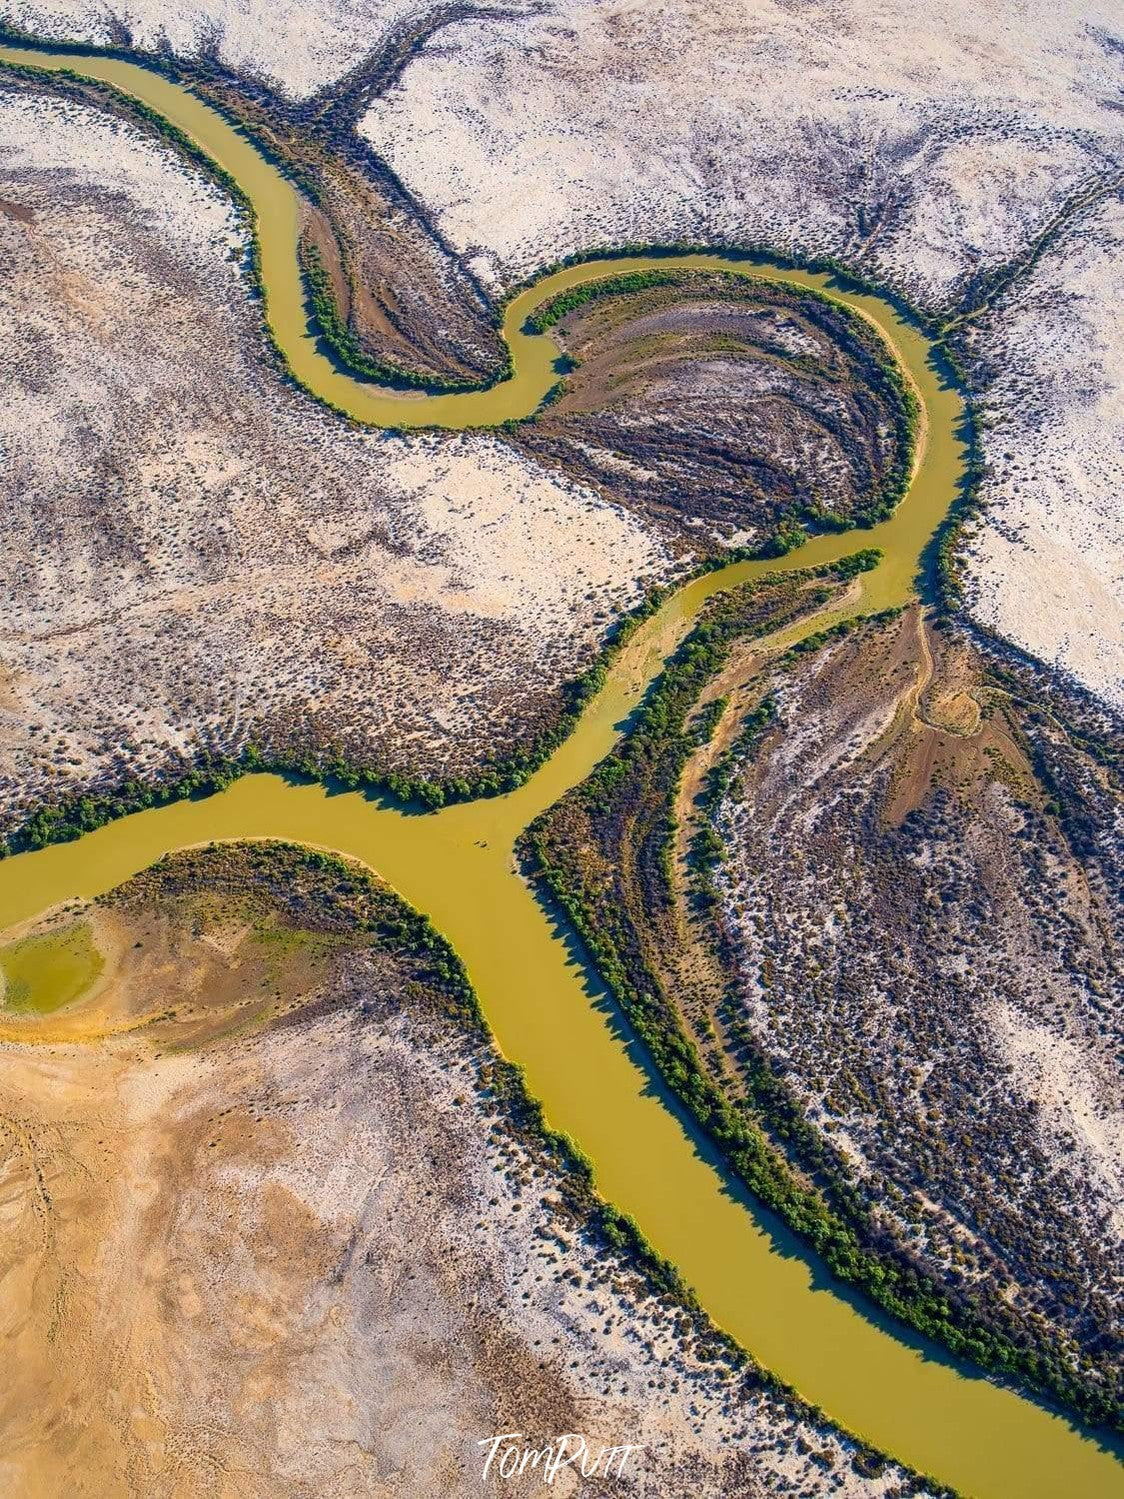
(196, 553)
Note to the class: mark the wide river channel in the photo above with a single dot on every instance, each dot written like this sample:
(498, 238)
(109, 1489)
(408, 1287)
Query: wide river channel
(545, 1010)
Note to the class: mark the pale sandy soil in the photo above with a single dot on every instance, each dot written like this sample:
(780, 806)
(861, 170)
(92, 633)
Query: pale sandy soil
(1046, 569)
(919, 144)
(310, 1259)
(194, 551)
(1071, 1095)
(298, 47)
(923, 147)
(928, 947)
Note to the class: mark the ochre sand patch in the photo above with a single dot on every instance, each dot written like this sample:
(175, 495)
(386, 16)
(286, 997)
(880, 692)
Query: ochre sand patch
(276, 1242)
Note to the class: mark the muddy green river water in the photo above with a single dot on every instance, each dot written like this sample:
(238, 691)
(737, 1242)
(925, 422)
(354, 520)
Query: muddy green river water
(456, 865)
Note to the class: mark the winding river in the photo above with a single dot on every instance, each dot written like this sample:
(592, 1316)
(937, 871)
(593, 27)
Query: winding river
(456, 865)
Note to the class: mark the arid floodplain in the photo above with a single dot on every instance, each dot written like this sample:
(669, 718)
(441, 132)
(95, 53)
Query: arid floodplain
(825, 846)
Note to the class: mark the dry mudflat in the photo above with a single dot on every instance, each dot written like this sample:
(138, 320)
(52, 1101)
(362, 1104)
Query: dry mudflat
(269, 1234)
(923, 147)
(719, 407)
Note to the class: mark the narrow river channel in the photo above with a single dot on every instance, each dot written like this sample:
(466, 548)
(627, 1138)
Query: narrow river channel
(546, 1012)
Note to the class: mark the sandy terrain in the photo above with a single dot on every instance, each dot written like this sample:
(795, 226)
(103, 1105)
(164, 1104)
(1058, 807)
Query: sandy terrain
(308, 1257)
(298, 47)
(920, 146)
(1047, 568)
(951, 1023)
(195, 552)
(925, 149)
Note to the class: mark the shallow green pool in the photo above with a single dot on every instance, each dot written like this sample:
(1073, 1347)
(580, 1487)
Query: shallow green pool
(45, 972)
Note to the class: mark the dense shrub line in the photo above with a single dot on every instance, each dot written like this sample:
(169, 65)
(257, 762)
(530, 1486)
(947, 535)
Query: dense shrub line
(553, 311)
(70, 819)
(64, 821)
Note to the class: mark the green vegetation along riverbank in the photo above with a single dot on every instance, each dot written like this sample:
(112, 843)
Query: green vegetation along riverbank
(606, 854)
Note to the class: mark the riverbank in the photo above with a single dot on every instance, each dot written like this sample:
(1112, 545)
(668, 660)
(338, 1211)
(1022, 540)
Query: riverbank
(292, 1110)
(636, 861)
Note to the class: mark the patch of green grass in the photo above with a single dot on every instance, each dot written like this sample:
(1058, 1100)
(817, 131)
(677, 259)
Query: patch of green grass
(44, 973)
